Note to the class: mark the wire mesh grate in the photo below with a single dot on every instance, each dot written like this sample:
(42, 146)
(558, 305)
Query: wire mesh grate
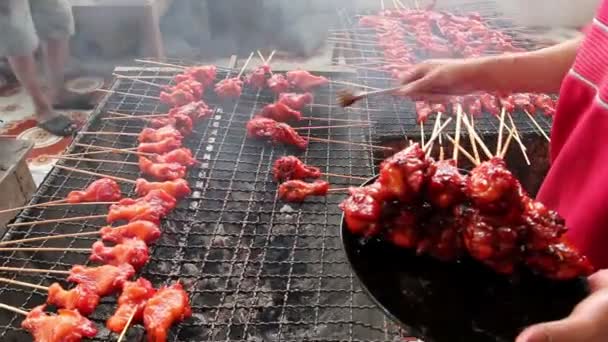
(255, 268)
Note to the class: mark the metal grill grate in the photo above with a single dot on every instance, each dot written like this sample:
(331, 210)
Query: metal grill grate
(397, 117)
(255, 268)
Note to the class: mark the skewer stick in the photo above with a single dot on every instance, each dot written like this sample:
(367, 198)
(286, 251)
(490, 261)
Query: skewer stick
(441, 151)
(464, 152)
(436, 134)
(270, 56)
(135, 117)
(518, 139)
(31, 270)
(353, 84)
(95, 160)
(126, 328)
(333, 119)
(435, 128)
(327, 127)
(261, 57)
(67, 219)
(109, 133)
(127, 94)
(504, 151)
(117, 113)
(422, 132)
(13, 309)
(135, 79)
(350, 143)
(337, 175)
(457, 141)
(120, 179)
(161, 64)
(502, 124)
(538, 126)
(472, 141)
(485, 149)
(57, 204)
(61, 201)
(43, 249)
(127, 150)
(244, 66)
(49, 237)
(21, 283)
(104, 149)
(338, 189)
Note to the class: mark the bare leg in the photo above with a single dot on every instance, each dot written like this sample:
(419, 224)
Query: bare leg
(57, 54)
(26, 72)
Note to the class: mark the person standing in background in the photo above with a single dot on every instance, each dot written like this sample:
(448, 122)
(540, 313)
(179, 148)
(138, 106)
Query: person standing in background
(25, 26)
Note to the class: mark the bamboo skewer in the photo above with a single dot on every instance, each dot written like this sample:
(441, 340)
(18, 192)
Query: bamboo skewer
(270, 56)
(13, 309)
(21, 283)
(126, 328)
(261, 57)
(61, 201)
(538, 126)
(436, 134)
(48, 237)
(244, 66)
(161, 64)
(67, 219)
(328, 127)
(353, 84)
(109, 133)
(349, 143)
(457, 141)
(422, 132)
(43, 249)
(502, 123)
(106, 149)
(464, 152)
(507, 143)
(429, 149)
(477, 138)
(96, 160)
(472, 141)
(518, 139)
(31, 270)
(441, 151)
(338, 189)
(341, 176)
(135, 79)
(127, 94)
(120, 179)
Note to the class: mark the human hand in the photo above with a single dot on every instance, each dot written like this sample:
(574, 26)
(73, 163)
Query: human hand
(588, 322)
(436, 79)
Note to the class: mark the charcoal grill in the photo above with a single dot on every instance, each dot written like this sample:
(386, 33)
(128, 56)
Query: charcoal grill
(255, 268)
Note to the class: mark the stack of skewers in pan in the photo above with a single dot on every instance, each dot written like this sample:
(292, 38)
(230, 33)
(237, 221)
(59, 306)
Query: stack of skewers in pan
(409, 36)
(432, 208)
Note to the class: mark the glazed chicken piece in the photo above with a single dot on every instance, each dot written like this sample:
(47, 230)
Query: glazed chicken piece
(169, 305)
(403, 175)
(278, 84)
(543, 227)
(163, 146)
(183, 124)
(559, 261)
(65, 326)
(404, 230)
(264, 128)
(177, 188)
(545, 103)
(304, 80)
(152, 207)
(362, 210)
(181, 156)
(257, 78)
(280, 112)
(229, 88)
(494, 190)
(159, 134)
(472, 105)
(423, 111)
(103, 280)
(446, 185)
(298, 191)
(132, 300)
(189, 85)
(145, 231)
(205, 74)
(161, 171)
(177, 97)
(194, 110)
(524, 101)
(130, 251)
(101, 190)
(79, 298)
(442, 238)
(492, 241)
(490, 104)
(295, 101)
(290, 168)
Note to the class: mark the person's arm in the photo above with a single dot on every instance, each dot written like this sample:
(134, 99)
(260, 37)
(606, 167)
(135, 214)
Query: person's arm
(537, 71)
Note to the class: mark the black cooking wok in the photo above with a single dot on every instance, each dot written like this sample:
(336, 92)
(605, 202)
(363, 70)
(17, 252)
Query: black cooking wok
(448, 302)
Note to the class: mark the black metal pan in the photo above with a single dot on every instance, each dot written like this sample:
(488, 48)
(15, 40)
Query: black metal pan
(449, 302)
